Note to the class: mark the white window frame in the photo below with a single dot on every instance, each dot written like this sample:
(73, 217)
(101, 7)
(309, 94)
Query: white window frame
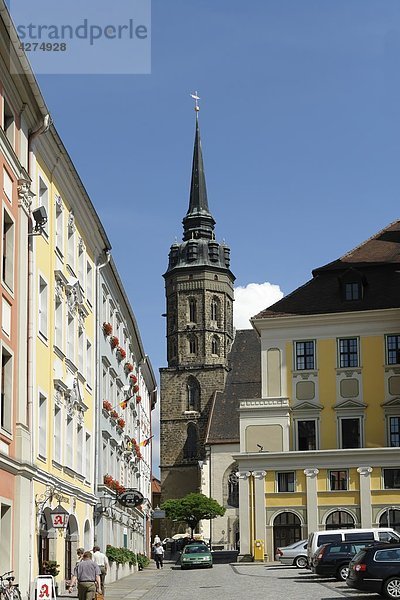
(6, 424)
(43, 307)
(59, 233)
(42, 425)
(8, 274)
(57, 434)
(43, 200)
(349, 337)
(278, 491)
(59, 323)
(308, 341)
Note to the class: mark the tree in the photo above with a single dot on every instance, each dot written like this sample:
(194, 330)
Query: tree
(191, 509)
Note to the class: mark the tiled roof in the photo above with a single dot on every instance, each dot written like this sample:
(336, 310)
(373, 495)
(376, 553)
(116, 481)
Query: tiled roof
(376, 261)
(243, 381)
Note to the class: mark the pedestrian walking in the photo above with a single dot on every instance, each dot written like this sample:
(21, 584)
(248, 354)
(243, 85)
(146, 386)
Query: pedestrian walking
(87, 575)
(102, 561)
(79, 554)
(159, 555)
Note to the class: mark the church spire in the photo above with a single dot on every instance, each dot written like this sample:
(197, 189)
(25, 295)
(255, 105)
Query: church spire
(198, 222)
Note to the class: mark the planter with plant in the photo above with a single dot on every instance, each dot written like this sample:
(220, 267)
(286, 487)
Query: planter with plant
(107, 328)
(50, 567)
(114, 341)
(120, 352)
(128, 367)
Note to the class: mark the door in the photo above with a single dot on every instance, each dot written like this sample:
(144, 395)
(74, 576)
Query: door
(287, 529)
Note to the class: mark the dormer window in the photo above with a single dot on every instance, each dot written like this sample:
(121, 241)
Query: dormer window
(213, 251)
(192, 251)
(352, 290)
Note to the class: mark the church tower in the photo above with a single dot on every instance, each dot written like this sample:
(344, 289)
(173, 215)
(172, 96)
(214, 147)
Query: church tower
(199, 303)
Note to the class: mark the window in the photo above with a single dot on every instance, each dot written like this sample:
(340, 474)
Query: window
(69, 455)
(394, 431)
(88, 448)
(338, 480)
(192, 311)
(81, 339)
(393, 349)
(193, 345)
(79, 449)
(71, 248)
(215, 346)
(215, 310)
(193, 394)
(8, 122)
(42, 418)
(71, 338)
(81, 266)
(8, 250)
(89, 358)
(352, 291)
(7, 185)
(89, 283)
(339, 519)
(43, 307)
(44, 201)
(305, 355)
(57, 434)
(391, 479)
(306, 435)
(58, 323)
(348, 352)
(190, 447)
(350, 429)
(6, 390)
(59, 225)
(285, 481)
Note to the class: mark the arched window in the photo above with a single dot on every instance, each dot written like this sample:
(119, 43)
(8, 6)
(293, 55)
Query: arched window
(192, 311)
(339, 520)
(193, 394)
(215, 345)
(214, 309)
(192, 344)
(233, 488)
(390, 518)
(190, 447)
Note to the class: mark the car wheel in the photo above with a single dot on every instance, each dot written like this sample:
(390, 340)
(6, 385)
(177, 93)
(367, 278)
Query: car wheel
(391, 587)
(342, 573)
(300, 562)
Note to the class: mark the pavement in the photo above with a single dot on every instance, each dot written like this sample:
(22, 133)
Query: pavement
(138, 584)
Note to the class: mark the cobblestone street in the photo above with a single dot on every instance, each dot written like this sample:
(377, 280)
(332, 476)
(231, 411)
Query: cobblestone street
(232, 582)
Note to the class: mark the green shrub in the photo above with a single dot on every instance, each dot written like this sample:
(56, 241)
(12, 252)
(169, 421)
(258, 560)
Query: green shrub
(142, 560)
(120, 556)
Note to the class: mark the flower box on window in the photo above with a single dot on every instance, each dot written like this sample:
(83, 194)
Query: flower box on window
(128, 367)
(107, 405)
(107, 328)
(135, 389)
(114, 341)
(138, 399)
(133, 378)
(121, 422)
(114, 414)
(121, 354)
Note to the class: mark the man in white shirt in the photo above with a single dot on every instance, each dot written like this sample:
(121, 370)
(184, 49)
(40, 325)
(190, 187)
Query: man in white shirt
(102, 561)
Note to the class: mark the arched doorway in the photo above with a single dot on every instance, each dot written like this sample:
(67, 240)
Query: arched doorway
(390, 518)
(287, 529)
(71, 546)
(43, 538)
(340, 519)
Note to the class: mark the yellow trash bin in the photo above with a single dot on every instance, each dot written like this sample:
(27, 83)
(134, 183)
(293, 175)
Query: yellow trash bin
(259, 550)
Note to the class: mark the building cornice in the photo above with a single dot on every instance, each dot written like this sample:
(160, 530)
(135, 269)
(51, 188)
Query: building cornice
(321, 459)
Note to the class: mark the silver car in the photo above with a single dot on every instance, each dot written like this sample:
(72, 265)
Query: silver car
(295, 554)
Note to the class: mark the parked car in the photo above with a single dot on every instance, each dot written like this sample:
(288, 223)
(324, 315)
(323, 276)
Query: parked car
(376, 569)
(317, 538)
(295, 554)
(332, 560)
(196, 555)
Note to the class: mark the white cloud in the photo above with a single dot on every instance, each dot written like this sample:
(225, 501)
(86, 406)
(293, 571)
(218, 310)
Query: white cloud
(252, 299)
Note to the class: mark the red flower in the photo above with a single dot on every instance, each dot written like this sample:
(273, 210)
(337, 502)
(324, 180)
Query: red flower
(107, 328)
(121, 422)
(114, 341)
(133, 378)
(114, 414)
(107, 405)
(108, 480)
(128, 367)
(135, 389)
(121, 353)
(138, 399)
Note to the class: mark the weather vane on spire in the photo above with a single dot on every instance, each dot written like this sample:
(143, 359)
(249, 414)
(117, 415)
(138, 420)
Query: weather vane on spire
(196, 99)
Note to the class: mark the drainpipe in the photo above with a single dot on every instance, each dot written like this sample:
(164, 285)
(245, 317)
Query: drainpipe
(99, 453)
(42, 128)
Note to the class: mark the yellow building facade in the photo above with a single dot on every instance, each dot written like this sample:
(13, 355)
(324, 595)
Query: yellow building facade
(320, 448)
(64, 257)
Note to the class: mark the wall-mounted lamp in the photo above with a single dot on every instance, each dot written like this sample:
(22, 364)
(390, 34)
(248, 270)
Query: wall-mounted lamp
(39, 215)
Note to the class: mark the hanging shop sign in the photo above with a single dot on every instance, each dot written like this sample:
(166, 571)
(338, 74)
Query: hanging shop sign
(130, 498)
(59, 517)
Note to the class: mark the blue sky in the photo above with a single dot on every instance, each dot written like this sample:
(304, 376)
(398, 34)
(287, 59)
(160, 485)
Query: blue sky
(300, 124)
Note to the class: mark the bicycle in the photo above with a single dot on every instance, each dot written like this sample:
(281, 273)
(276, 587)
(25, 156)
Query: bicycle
(8, 589)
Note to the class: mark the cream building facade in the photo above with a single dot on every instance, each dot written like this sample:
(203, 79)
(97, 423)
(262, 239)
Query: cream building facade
(319, 449)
